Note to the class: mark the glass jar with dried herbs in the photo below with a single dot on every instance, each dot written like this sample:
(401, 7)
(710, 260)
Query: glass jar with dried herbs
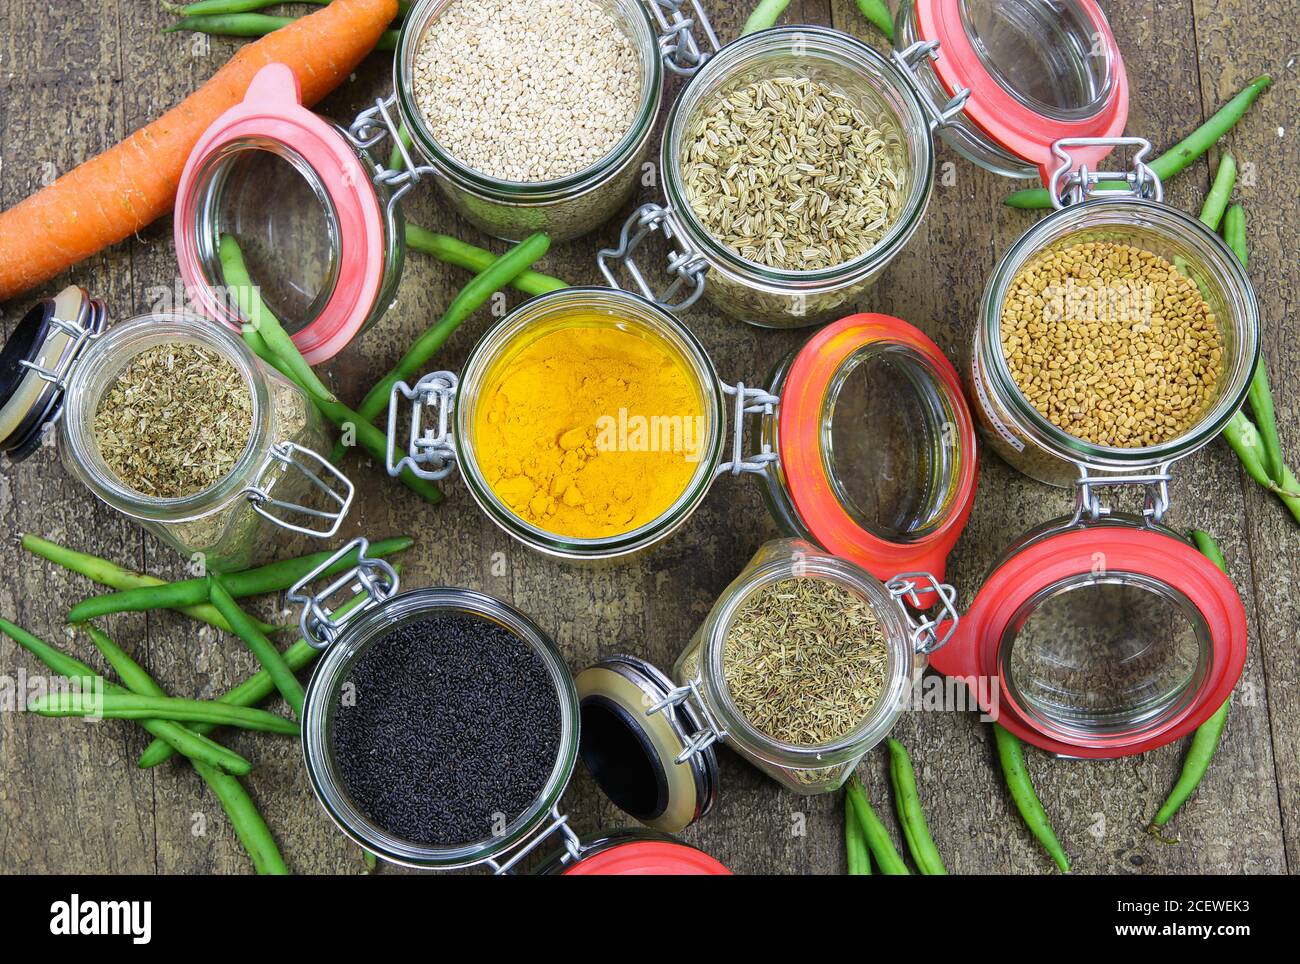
(803, 665)
(172, 421)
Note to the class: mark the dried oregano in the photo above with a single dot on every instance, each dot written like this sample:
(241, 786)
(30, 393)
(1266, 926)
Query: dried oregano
(792, 174)
(175, 420)
(804, 660)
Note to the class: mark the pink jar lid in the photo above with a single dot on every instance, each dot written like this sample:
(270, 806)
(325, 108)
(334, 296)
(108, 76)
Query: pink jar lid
(272, 110)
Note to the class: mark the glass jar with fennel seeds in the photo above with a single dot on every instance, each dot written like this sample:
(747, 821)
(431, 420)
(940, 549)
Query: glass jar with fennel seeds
(171, 420)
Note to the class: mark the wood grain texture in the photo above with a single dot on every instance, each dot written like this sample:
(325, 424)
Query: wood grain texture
(70, 798)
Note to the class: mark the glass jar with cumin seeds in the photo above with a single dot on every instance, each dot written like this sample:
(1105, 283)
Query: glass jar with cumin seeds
(172, 421)
(441, 727)
(1117, 335)
(802, 665)
(799, 161)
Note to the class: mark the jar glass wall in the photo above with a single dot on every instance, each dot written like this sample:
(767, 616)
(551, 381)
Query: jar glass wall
(218, 523)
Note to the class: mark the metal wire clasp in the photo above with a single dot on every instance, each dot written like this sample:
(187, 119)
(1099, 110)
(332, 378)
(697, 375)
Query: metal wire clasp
(680, 51)
(372, 127)
(749, 401)
(289, 455)
(1088, 505)
(929, 632)
(79, 336)
(375, 577)
(709, 734)
(426, 446)
(1070, 185)
(559, 824)
(686, 265)
(907, 60)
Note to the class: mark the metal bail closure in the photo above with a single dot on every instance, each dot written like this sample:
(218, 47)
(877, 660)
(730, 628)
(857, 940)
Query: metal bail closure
(678, 48)
(686, 265)
(749, 401)
(929, 632)
(1071, 185)
(289, 455)
(375, 577)
(907, 61)
(1089, 508)
(559, 824)
(435, 447)
(371, 128)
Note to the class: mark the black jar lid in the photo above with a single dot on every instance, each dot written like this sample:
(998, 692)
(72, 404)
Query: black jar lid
(35, 362)
(632, 754)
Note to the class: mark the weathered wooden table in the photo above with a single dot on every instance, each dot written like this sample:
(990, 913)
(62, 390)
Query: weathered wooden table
(79, 75)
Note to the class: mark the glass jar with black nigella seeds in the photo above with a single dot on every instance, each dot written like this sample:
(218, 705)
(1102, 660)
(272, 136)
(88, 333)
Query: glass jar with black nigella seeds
(441, 729)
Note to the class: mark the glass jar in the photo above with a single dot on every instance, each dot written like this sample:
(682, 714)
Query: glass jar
(649, 738)
(346, 633)
(1100, 636)
(632, 852)
(959, 76)
(569, 206)
(868, 396)
(66, 363)
(1026, 438)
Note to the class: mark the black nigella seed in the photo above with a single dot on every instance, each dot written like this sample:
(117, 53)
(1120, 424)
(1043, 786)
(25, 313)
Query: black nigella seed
(449, 730)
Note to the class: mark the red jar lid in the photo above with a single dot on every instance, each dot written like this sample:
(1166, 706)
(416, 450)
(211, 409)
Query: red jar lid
(649, 858)
(816, 370)
(1012, 117)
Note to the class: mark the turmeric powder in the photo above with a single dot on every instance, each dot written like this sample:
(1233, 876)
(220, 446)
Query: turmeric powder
(589, 431)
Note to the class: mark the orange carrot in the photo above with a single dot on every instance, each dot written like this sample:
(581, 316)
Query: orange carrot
(112, 196)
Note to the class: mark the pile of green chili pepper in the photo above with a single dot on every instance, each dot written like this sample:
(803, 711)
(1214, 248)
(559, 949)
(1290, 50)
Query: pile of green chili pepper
(866, 837)
(182, 725)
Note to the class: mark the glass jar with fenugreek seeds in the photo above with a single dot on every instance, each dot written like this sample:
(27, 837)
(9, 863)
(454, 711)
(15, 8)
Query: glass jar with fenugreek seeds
(172, 421)
(1117, 335)
(799, 161)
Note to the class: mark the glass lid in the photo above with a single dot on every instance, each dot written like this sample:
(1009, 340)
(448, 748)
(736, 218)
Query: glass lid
(275, 198)
(1037, 71)
(876, 445)
(633, 754)
(1114, 653)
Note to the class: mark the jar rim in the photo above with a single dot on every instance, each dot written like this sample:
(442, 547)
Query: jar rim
(1100, 212)
(631, 307)
(882, 716)
(845, 50)
(374, 624)
(637, 21)
(77, 428)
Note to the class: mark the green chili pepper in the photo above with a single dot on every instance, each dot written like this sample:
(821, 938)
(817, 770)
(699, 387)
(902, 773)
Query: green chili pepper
(479, 289)
(1031, 809)
(1207, 736)
(261, 647)
(454, 251)
(173, 736)
(878, 14)
(1216, 202)
(255, 25)
(128, 706)
(873, 831)
(910, 815)
(1174, 160)
(764, 16)
(275, 577)
(855, 844)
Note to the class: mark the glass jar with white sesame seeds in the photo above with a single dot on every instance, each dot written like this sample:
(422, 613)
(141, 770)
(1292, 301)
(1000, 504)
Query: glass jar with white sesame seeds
(1105, 348)
(538, 116)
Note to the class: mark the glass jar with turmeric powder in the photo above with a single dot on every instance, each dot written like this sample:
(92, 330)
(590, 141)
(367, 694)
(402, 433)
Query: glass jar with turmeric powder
(590, 423)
